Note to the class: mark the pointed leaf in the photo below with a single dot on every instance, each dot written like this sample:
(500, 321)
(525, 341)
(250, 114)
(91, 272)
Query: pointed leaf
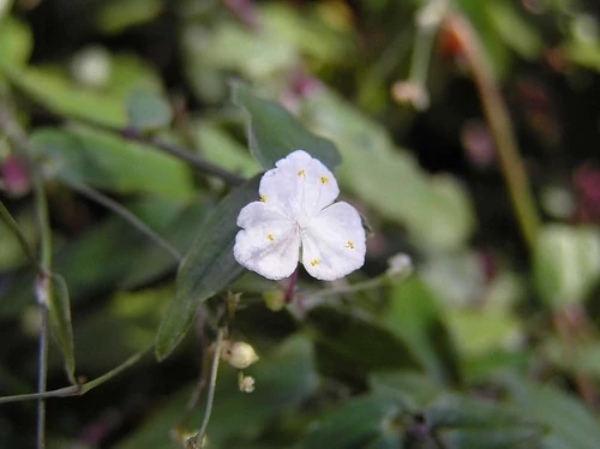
(60, 322)
(273, 132)
(208, 267)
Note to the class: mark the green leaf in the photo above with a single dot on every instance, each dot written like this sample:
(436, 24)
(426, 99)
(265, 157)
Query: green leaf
(513, 29)
(350, 346)
(273, 132)
(59, 95)
(148, 110)
(221, 149)
(16, 43)
(566, 264)
(358, 423)
(413, 314)
(107, 161)
(59, 313)
(117, 15)
(208, 267)
(568, 423)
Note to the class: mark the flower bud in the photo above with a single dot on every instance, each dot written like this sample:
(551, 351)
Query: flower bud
(246, 383)
(240, 355)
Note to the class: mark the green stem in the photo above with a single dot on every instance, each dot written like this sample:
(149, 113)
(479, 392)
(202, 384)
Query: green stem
(79, 390)
(500, 124)
(199, 438)
(125, 214)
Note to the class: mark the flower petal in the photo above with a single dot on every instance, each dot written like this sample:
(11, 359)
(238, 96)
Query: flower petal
(269, 245)
(299, 185)
(334, 243)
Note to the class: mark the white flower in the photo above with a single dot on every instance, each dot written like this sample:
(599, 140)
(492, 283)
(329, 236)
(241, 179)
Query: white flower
(297, 220)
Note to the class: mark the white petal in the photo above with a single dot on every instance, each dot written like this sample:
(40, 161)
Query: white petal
(299, 185)
(270, 244)
(334, 243)
(257, 213)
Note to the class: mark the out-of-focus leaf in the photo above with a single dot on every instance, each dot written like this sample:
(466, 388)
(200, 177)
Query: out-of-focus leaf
(413, 314)
(511, 437)
(309, 33)
(231, 46)
(456, 278)
(59, 313)
(584, 53)
(208, 267)
(16, 42)
(221, 149)
(414, 391)
(148, 110)
(566, 264)
(116, 15)
(284, 379)
(567, 422)
(273, 132)
(129, 72)
(350, 346)
(435, 210)
(358, 423)
(107, 161)
(480, 330)
(61, 96)
(513, 29)
(466, 423)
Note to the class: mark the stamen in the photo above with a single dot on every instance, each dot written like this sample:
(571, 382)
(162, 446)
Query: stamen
(271, 237)
(350, 244)
(324, 179)
(263, 198)
(315, 262)
(302, 172)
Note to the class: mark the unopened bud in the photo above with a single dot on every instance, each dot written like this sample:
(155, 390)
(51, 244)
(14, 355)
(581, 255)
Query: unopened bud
(240, 355)
(246, 383)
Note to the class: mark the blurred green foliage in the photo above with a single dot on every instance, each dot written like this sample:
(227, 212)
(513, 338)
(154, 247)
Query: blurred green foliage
(168, 111)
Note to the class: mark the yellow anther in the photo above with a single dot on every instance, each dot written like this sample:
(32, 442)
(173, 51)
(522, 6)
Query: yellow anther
(302, 172)
(263, 198)
(350, 244)
(315, 262)
(271, 238)
(324, 179)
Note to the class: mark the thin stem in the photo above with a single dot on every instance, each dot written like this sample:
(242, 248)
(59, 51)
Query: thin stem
(42, 287)
(343, 289)
(212, 383)
(129, 217)
(42, 377)
(79, 390)
(14, 227)
(180, 153)
(500, 124)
